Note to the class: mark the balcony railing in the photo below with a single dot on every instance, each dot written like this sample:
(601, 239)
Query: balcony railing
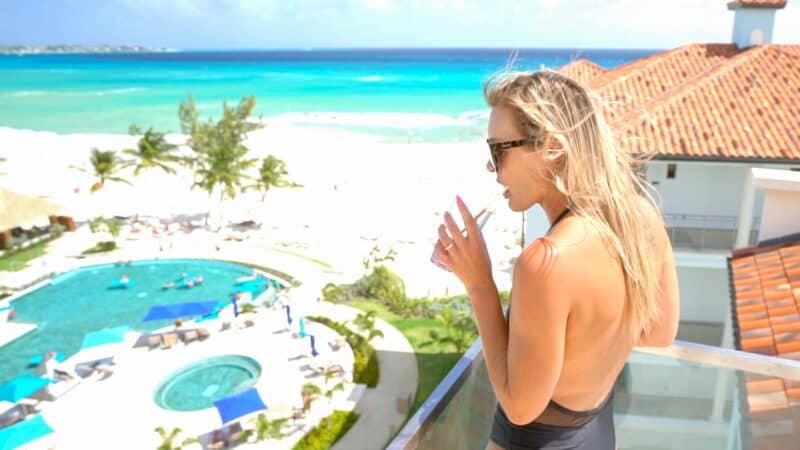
(687, 396)
(706, 232)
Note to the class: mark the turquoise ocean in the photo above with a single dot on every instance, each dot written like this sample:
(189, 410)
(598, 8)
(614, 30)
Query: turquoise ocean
(106, 93)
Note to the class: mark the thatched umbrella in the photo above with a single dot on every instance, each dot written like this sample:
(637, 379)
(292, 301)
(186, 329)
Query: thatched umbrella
(17, 209)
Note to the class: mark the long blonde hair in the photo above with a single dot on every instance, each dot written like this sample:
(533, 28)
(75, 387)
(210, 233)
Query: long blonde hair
(598, 178)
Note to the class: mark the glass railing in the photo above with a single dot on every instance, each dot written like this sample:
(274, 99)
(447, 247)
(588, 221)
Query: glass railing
(706, 232)
(687, 396)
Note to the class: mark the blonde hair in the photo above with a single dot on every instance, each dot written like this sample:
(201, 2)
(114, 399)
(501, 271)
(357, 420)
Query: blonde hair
(597, 177)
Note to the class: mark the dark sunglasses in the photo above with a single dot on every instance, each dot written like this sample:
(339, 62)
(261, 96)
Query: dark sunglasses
(496, 148)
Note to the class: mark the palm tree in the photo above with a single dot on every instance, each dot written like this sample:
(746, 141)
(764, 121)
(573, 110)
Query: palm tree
(268, 429)
(366, 322)
(460, 330)
(105, 165)
(220, 160)
(270, 175)
(167, 439)
(152, 151)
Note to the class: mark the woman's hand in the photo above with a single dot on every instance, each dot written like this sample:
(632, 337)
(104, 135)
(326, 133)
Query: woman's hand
(464, 254)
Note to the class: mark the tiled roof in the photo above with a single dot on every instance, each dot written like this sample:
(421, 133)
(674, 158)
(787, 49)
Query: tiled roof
(635, 84)
(765, 285)
(582, 70)
(746, 108)
(763, 4)
(708, 101)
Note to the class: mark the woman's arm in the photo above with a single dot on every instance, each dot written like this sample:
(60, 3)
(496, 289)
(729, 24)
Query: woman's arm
(524, 359)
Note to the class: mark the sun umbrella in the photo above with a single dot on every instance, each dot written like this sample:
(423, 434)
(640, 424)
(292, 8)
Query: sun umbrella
(178, 310)
(104, 336)
(37, 359)
(21, 387)
(314, 351)
(238, 405)
(23, 432)
(288, 315)
(302, 325)
(234, 299)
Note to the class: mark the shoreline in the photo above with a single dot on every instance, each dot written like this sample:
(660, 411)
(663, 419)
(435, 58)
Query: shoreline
(357, 193)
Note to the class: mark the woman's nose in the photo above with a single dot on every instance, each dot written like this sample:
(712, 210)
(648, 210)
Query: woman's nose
(489, 166)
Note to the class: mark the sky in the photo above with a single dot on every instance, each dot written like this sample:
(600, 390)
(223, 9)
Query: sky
(304, 24)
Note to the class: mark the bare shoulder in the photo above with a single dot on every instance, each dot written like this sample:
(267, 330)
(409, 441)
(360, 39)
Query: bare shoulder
(545, 262)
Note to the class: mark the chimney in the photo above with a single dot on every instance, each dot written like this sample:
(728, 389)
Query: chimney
(781, 214)
(753, 21)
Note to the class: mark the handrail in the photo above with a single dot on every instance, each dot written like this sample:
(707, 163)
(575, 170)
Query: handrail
(408, 438)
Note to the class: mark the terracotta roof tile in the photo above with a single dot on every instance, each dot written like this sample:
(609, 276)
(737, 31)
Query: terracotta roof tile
(707, 101)
(582, 70)
(761, 4)
(768, 323)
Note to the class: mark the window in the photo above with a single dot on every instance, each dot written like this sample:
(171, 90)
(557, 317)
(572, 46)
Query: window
(671, 169)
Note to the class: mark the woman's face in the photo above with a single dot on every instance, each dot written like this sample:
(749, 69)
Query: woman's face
(523, 172)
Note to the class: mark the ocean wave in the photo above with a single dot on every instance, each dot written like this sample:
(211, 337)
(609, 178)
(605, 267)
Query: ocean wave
(373, 79)
(73, 93)
(119, 91)
(24, 93)
(383, 120)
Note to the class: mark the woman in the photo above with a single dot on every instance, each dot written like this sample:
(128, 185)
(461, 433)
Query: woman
(601, 281)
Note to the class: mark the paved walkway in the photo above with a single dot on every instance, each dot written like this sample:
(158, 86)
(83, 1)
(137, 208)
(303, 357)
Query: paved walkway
(383, 409)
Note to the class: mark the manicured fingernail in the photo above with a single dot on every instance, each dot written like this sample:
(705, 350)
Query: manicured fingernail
(458, 199)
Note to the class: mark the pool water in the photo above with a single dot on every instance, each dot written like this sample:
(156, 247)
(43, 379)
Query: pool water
(83, 300)
(200, 384)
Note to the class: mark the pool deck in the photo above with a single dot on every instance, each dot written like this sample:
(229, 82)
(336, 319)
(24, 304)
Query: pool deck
(120, 409)
(107, 412)
(11, 331)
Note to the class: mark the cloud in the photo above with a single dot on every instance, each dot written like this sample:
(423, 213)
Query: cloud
(387, 23)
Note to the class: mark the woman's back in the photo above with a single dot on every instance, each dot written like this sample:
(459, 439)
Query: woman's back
(597, 341)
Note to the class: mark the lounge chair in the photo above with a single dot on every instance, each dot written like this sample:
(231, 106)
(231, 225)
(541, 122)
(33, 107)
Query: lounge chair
(335, 369)
(318, 369)
(168, 340)
(298, 413)
(218, 445)
(248, 321)
(153, 341)
(336, 344)
(189, 336)
(104, 371)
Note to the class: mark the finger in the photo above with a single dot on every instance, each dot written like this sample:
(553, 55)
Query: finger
(444, 238)
(443, 255)
(452, 228)
(469, 221)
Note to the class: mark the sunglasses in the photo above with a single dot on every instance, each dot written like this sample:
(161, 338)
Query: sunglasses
(496, 148)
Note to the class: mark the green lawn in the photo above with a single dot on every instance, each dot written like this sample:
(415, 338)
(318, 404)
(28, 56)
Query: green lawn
(19, 260)
(433, 361)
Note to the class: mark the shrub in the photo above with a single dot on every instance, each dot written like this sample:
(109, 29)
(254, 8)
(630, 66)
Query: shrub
(333, 293)
(247, 308)
(101, 247)
(324, 435)
(365, 366)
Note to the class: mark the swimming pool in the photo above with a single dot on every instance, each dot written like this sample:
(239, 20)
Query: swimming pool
(82, 300)
(200, 384)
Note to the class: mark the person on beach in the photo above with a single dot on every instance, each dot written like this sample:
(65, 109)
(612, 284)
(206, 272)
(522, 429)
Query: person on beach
(599, 282)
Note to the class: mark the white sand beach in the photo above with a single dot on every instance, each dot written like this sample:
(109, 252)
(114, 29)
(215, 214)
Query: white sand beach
(357, 192)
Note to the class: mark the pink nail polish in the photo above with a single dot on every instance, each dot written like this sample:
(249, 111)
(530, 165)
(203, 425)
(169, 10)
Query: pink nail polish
(458, 199)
